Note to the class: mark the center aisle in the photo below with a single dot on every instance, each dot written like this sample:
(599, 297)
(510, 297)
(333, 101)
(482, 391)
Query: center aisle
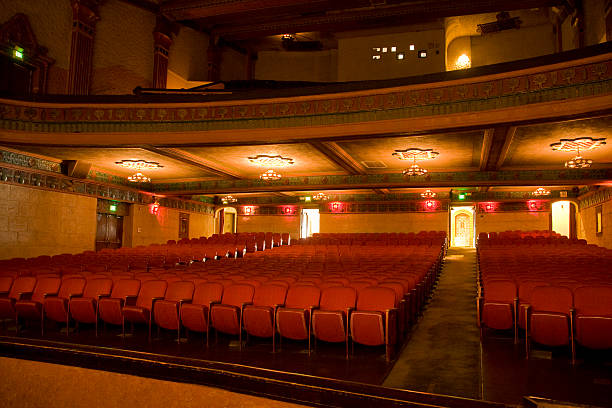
(443, 352)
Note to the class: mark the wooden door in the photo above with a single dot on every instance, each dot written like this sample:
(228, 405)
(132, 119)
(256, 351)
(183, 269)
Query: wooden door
(109, 232)
(229, 219)
(463, 230)
(15, 78)
(183, 225)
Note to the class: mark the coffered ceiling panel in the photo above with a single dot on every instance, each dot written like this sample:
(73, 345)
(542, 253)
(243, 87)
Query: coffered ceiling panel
(104, 160)
(457, 151)
(306, 159)
(530, 147)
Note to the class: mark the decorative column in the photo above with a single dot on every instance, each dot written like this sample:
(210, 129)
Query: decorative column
(162, 42)
(214, 61)
(84, 18)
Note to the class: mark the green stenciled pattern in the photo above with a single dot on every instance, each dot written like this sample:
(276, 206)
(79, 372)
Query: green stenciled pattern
(598, 197)
(23, 160)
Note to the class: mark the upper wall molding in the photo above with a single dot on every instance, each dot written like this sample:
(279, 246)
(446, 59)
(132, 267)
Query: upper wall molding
(569, 88)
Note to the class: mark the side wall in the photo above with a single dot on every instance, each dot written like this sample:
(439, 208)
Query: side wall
(270, 223)
(586, 225)
(143, 228)
(37, 222)
(404, 222)
(508, 221)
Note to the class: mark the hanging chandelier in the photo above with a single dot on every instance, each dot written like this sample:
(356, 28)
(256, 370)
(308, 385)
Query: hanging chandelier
(270, 175)
(415, 154)
(139, 178)
(138, 164)
(574, 145)
(319, 197)
(578, 162)
(228, 199)
(414, 169)
(428, 194)
(541, 191)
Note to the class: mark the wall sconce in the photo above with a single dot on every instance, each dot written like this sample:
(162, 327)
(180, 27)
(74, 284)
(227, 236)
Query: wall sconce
(336, 207)
(288, 210)
(248, 210)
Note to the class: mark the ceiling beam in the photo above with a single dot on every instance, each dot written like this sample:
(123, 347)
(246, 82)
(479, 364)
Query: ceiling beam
(381, 191)
(339, 156)
(495, 145)
(381, 181)
(186, 158)
(371, 17)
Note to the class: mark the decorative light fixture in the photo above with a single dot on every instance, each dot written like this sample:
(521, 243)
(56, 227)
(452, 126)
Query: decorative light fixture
(319, 197)
(266, 160)
(228, 199)
(415, 154)
(270, 175)
(139, 178)
(428, 194)
(138, 164)
(414, 170)
(574, 145)
(154, 208)
(463, 62)
(541, 191)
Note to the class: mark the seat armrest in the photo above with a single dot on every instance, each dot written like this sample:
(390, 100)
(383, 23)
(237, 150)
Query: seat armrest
(24, 295)
(70, 296)
(275, 307)
(242, 306)
(46, 295)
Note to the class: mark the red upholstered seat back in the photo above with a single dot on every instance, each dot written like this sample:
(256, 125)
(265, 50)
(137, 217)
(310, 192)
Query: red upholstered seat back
(125, 287)
(500, 291)
(270, 295)
(338, 298)
(149, 290)
(5, 283)
(593, 300)
(376, 299)
(302, 297)
(526, 288)
(179, 290)
(45, 285)
(238, 294)
(71, 286)
(555, 299)
(207, 292)
(95, 287)
(24, 284)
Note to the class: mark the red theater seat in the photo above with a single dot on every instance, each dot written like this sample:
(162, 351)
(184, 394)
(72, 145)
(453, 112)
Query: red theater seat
(110, 308)
(84, 309)
(294, 320)
(260, 317)
(499, 304)
(142, 310)
(594, 316)
(330, 321)
(373, 323)
(196, 315)
(227, 316)
(21, 288)
(32, 309)
(57, 308)
(167, 311)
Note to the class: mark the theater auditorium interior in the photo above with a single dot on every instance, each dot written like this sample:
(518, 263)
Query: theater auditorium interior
(391, 203)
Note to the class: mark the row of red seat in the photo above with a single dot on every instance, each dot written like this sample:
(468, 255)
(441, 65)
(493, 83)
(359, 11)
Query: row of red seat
(556, 294)
(431, 238)
(363, 282)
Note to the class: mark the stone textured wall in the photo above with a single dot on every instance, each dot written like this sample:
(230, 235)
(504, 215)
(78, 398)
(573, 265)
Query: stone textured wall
(402, 222)
(123, 49)
(505, 221)
(270, 223)
(37, 222)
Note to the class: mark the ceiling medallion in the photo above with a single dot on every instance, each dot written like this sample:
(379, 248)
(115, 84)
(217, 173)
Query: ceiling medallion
(575, 145)
(415, 154)
(270, 175)
(428, 194)
(541, 191)
(266, 160)
(139, 178)
(138, 164)
(228, 199)
(319, 197)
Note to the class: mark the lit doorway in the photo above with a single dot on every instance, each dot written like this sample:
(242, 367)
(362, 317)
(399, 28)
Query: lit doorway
(564, 218)
(310, 222)
(225, 220)
(462, 227)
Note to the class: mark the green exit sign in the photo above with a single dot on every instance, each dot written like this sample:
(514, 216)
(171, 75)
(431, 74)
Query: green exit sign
(18, 53)
(113, 207)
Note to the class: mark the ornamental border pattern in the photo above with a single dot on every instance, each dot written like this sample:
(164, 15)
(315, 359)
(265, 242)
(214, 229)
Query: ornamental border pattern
(599, 197)
(326, 109)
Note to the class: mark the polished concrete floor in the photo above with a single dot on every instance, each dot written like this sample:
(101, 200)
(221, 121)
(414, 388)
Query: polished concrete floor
(445, 355)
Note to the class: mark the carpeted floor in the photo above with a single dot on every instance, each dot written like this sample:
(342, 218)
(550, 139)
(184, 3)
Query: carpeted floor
(443, 353)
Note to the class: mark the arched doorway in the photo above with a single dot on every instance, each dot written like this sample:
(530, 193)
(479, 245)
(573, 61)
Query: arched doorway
(226, 220)
(563, 218)
(462, 227)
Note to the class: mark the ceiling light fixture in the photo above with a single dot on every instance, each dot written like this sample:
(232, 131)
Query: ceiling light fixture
(138, 164)
(428, 194)
(541, 191)
(270, 175)
(319, 197)
(463, 62)
(139, 178)
(266, 160)
(574, 145)
(415, 154)
(228, 199)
